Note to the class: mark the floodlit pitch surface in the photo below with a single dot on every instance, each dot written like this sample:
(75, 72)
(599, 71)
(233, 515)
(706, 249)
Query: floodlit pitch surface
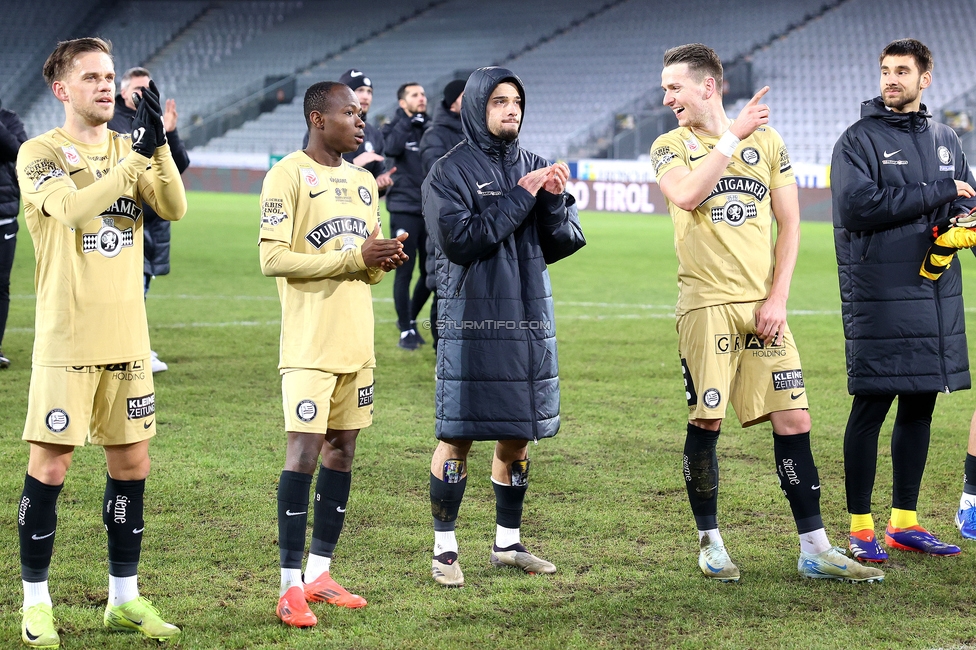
(607, 504)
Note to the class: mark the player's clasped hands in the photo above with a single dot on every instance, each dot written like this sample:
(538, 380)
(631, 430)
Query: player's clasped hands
(386, 254)
(752, 116)
(552, 179)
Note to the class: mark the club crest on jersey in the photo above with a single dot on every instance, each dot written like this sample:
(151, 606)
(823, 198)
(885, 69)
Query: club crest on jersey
(692, 145)
(734, 212)
(109, 240)
(750, 156)
(309, 175)
(337, 227)
(365, 195)
(71, 154)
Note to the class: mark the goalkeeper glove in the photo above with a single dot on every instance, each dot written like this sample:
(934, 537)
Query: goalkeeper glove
(940, 254)
(964, 220)
(144, 139)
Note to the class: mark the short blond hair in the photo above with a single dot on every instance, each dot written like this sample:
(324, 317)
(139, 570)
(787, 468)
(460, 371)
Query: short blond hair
(63, 57)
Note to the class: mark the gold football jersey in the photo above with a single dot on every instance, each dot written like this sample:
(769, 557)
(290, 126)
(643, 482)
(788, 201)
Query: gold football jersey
(725, 245)
(326, 322)
(88, 243)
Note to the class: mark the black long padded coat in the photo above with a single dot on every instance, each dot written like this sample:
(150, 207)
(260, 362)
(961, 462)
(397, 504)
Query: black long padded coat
(892, 177)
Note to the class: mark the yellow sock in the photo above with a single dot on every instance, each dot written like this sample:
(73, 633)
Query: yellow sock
(903, 518)
(862, 522)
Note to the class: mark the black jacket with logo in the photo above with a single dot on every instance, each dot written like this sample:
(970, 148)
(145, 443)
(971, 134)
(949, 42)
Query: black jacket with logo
(444, 133)
(12, 135)
(156, 230)
(401, 137)
(497, 373)
(892, 177)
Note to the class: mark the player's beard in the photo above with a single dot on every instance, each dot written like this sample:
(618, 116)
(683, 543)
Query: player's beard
(94, 116)
(907, 96)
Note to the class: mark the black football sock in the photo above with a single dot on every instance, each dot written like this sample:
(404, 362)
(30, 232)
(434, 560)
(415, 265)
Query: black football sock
(968, 486)
(292, 517)
(445, 501)
(508, 504)
(331, 496)
(799, 479)
(122, 510)
(700, 468)
(910, 448)
(37, 519)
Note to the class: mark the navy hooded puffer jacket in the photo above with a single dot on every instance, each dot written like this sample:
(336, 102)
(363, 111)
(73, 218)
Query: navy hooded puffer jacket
(497, 374)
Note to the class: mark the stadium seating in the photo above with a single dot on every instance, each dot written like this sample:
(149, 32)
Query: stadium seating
(37, 27)
(427, 49)
(130, 46)
(575, 80)
(582, 62)
(821, 73)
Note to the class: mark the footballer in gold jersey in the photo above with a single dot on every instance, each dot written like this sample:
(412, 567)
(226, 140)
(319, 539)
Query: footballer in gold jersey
(320, 238)
(725, 181)
(84, 188)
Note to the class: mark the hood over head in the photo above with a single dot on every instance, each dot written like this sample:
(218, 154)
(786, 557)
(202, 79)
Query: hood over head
(474, 120)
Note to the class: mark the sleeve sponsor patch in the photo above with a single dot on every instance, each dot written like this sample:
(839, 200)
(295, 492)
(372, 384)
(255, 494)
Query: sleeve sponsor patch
(784, 160)
(43, 170)
(272, 212)
(661, 157)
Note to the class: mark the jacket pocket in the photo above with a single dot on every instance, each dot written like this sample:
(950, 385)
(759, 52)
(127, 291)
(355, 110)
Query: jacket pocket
(863, 247)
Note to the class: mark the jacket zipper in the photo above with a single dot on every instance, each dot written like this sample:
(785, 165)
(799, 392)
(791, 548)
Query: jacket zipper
(464, 273)
(535, 424)
(935, 287)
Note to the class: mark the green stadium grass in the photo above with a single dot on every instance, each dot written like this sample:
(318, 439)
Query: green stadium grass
(607, 504)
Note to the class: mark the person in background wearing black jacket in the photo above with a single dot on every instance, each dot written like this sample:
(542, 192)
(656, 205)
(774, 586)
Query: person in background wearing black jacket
(156, 231)
(894, 174)
(401, 137)
(444, 132)
(12, 135)
(500, 215)
(369, 155)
